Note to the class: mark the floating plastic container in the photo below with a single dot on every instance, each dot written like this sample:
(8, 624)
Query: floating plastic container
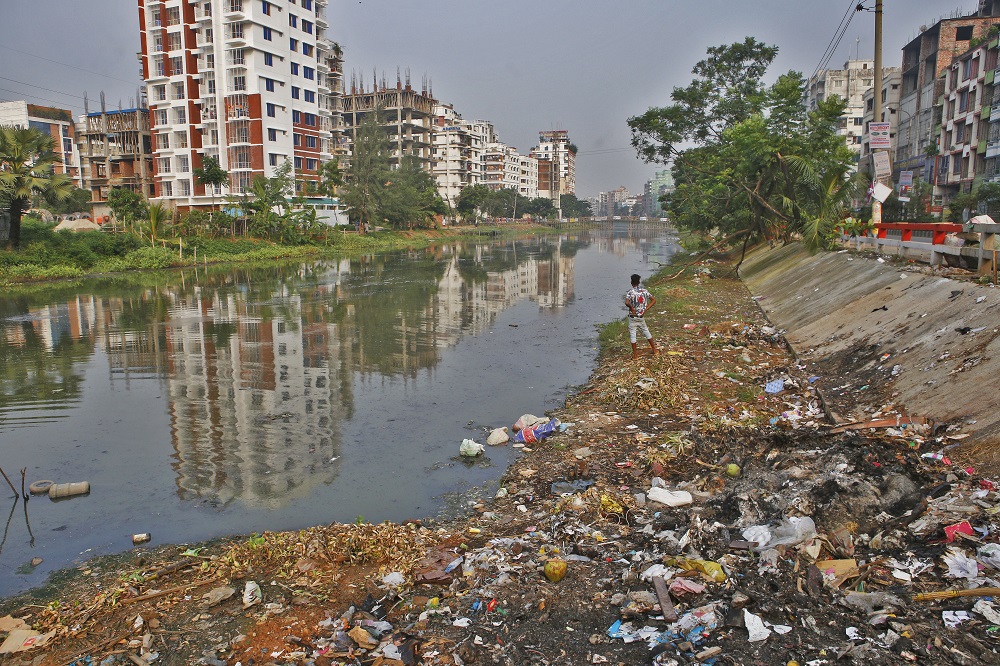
(58, 490)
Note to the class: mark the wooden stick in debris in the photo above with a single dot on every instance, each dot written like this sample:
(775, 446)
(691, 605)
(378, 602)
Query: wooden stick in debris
(162, 593)
(951, 594)
(8, 481)
(26, 496)
(663, 596)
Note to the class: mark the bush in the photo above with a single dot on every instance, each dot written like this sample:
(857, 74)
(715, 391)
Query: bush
(150, 257)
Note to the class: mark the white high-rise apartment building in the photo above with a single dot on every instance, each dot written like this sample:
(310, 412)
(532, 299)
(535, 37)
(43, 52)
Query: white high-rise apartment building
(555, 147)
(251, 82)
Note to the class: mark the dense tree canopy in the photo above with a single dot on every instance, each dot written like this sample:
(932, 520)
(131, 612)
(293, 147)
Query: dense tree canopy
(748, 160)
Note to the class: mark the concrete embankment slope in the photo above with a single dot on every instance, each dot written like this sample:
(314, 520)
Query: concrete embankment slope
(845, 311)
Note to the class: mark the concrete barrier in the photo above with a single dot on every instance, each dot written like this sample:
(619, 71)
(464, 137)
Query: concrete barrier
(844, 311)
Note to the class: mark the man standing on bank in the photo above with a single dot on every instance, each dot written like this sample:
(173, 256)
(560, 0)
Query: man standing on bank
(638, 301)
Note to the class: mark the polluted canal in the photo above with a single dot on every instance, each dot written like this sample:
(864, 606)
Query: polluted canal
(230, 400)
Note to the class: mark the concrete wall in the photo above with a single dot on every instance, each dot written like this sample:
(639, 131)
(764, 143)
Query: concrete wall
(829, 305)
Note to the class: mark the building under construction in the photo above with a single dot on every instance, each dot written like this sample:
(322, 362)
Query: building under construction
(405, 113)
(116, 151)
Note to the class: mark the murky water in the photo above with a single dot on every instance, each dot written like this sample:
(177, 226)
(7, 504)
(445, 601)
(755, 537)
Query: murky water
(226, 401)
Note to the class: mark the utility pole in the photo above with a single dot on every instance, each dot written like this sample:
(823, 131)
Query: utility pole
(877, 97)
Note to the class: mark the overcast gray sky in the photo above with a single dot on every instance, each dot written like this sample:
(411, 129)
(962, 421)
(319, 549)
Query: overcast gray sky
(526, 65)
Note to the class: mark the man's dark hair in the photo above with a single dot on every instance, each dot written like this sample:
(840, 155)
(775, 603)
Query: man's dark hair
(635, 279)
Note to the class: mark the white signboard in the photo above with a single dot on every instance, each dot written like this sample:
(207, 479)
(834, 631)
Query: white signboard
(880, 160)
(880, 192)
(878, 136)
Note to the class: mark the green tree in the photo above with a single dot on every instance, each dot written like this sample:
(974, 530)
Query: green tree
(211, 175)
(410, 197)
(128, 206)
(472, 200)
(155, 220)
(26, 161)
(573, 207)
(266, 202)
(330, 178)
(738, 176)
(78, 200)
(369, 173)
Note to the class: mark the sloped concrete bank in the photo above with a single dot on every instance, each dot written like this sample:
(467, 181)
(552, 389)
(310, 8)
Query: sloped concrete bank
(927, 343)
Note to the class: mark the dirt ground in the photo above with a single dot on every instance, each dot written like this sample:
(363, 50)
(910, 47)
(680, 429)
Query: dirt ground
(847, 523)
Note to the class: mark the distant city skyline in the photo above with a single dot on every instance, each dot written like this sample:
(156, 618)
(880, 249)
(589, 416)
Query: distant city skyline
(526, 67)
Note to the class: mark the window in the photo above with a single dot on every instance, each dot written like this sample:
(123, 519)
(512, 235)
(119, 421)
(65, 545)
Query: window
(307, 49)
(310, 142)
(298, 163)
(158, 43)
(239, 82)
(161, 117)
(270, 109)
(309, 95)
(295, 69)
(180, 140)
(180, 116)
(964, 33)
(272, 159)
(168, 189)
(311, 164)
(173, 41)
(296, 116)
(272, 134)
(176, 66)
(173, 15)
(293, 44)
(182, 164)
(179, 90)
(858, 122)
(310, 119)
(309, 73)
(297, 139)
(160, 93)
(307, 4)
(293, 20)
(269, 60)
(265, 7)
(211, 86)
(295, 92)
(162, 140)
(163, 165)
(269, 85)
(185, 188)
(267, 33)
(307, 26)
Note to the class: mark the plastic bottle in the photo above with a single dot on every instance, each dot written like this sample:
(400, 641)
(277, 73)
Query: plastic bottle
(58, 490)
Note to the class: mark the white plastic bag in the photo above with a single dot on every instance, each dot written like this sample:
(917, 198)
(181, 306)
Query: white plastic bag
(669, 497)
(527, 421)
(793, 531)
(471, 448)
(497, 437)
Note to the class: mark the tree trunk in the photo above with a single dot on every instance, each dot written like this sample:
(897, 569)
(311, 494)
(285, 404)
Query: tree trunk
(16, 211)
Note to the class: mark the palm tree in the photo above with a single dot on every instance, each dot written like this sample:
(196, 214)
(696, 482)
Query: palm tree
(26, 160)
(825, 197)
(158, 214)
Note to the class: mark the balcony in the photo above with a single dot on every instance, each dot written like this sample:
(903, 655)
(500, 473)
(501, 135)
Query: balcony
(202, 16)
(233, 9)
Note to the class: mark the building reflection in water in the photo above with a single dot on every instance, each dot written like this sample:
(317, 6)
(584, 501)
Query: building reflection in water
(260, 365)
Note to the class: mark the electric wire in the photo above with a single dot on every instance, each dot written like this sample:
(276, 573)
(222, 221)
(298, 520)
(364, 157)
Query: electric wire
(834, 42)
(32, 85)
(76, 107)
(107, 76)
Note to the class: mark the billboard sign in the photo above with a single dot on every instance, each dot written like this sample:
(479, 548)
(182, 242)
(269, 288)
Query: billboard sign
(878, 136)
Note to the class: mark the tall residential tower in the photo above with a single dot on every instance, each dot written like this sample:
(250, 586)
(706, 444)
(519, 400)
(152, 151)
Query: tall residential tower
(251, 82)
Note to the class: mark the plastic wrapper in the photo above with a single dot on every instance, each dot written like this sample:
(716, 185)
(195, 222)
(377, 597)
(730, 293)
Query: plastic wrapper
(532, 434)
(527, 421)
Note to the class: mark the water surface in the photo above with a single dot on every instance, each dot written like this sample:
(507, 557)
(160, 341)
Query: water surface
(228, 400)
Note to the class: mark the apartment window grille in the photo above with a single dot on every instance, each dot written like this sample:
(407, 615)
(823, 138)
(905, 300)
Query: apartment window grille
(173, 41)
(156, 19)
(242, 158)
(161, 117)
(239, 83)
(182, 164)
(235, 30)
(163, 165)
(185, 187)
(158, 43)
(179, 90)
(176, 65)
(163, 141)
(173, 15)
(168, 188)
(160, 93)
(236, 5)
(272, 159)
(236, 57)
(180, 116)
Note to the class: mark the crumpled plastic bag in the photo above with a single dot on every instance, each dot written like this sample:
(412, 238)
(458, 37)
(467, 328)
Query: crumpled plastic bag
(536, 433)
(669, 497)
(712, 570)
(960, 565)
(471, 448)
(755, 627)
(989, 554)
(393, 579)
(252, 594)
(527, 421)
(497, 437)
(792, 531)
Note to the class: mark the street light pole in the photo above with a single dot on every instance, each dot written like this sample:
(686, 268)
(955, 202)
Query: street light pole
(876, 204)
